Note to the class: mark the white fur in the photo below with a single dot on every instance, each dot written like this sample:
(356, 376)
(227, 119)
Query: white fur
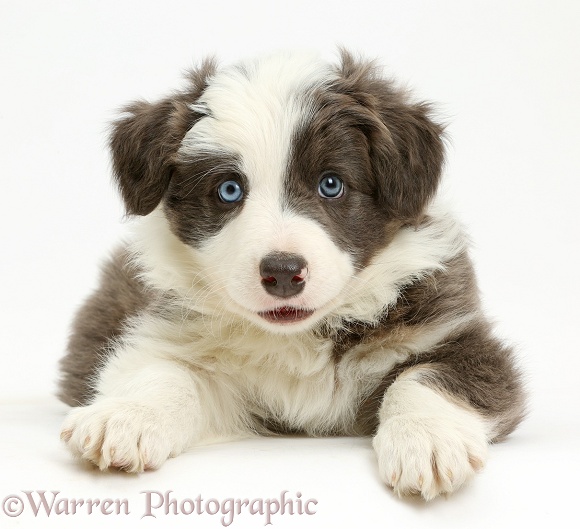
(252, 110)
(426, 443)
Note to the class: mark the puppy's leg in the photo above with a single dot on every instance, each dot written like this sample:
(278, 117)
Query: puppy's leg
(142, 414)
(437, 418)
(147, 407)
(426, 443)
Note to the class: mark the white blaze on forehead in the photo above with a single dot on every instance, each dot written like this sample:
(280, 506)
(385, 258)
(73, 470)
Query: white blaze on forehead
(253, 110)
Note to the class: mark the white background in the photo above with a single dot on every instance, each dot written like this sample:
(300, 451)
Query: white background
(505, 75)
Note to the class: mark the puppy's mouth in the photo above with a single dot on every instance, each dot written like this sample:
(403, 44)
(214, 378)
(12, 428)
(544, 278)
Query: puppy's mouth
(286, 315)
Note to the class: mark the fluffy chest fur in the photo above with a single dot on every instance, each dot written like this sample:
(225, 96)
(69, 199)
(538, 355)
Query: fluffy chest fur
(315, 380)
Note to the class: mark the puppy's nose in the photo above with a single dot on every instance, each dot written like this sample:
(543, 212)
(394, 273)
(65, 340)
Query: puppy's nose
(283, 274)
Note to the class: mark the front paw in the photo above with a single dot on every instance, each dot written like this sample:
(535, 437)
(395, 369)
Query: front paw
(122, 434)
(428, 455)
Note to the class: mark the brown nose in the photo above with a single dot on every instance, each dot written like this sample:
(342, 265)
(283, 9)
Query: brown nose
(283, 274)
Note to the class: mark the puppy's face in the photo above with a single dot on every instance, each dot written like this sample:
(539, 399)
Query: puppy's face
(283, 178)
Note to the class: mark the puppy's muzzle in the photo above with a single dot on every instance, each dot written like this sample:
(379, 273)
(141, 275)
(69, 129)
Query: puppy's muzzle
(283, 274)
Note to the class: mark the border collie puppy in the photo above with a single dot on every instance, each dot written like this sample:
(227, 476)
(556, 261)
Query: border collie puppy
(290, 270)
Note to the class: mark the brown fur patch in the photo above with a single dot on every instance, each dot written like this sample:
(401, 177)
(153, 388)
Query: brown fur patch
(144, 143)
(387, 151)
(100, 320)
(440, 297)
(406, 143)
(478, 369)
(191, 203)
(470, 365)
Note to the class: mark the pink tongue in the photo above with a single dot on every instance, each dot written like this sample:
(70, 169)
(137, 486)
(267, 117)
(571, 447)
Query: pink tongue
(285, 311)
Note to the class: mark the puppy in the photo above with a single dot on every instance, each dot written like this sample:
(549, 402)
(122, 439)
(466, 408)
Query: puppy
(290, 270)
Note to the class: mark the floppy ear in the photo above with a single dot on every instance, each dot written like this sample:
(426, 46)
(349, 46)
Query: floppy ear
(143, 146)
(413, 176)
(145, 141)
(406, 145)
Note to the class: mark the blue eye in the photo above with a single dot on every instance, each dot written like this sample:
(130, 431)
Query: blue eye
(230, 191)
(330, 186)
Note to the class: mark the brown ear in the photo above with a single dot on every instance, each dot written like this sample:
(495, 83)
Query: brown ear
(413, 177)
(406, 145)
(145, 141)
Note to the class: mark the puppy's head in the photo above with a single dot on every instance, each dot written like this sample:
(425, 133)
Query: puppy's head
(282, 178)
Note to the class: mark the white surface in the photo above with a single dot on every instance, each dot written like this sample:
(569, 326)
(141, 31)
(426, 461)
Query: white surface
(531, 478)
(506, 76)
